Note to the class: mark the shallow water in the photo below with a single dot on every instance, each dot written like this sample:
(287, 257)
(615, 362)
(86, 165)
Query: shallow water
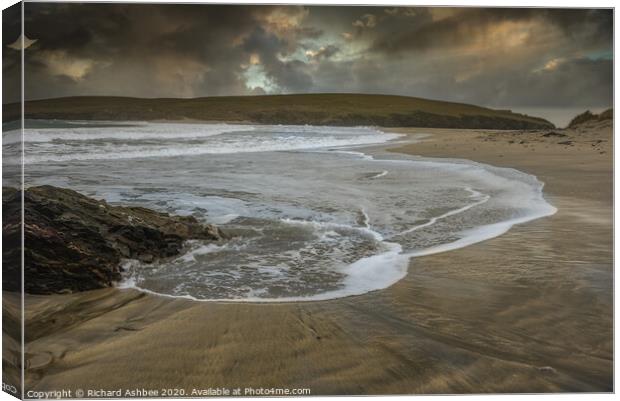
(314, 215)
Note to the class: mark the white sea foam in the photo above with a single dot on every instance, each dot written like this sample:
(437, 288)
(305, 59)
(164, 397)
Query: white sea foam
(132, 132)
(485, 232)
(174, 140)
(385, 269)
(433, 220)
(379, 175)
(365, 275)
(200, 251)
(255, 146)
(322, 226)
(324, 221)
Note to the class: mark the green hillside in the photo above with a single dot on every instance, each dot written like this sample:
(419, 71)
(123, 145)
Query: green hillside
(317, 109)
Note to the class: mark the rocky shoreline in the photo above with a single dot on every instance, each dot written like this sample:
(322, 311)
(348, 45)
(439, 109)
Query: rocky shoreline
(77, 243)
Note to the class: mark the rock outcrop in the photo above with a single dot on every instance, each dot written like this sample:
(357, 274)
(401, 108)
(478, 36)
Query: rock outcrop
(76, 243)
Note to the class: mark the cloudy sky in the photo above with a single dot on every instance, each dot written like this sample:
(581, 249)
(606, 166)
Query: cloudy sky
(524, 59)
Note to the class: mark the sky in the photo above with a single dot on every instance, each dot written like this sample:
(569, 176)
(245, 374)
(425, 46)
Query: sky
(547, 60)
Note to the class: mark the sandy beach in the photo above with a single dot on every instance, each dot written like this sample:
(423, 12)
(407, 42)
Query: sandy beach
(529, 311)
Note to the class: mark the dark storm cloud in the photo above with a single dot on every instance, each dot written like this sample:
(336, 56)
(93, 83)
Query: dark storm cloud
(140, 50)
(408, 30)
(494, 57)
(11, 27)
(597, 24)
(11, 59)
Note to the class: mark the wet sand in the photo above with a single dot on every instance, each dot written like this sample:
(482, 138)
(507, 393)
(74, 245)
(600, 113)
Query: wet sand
(529, 311)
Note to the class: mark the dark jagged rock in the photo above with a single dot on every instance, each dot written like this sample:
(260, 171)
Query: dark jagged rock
(552, 133)
(76, 243)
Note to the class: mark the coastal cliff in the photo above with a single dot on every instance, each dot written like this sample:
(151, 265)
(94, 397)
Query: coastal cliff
(76, 243)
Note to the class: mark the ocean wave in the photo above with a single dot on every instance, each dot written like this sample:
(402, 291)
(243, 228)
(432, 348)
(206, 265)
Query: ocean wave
(130, 133)
(168, 144)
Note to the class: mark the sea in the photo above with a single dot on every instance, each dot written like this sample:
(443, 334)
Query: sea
(313, 212)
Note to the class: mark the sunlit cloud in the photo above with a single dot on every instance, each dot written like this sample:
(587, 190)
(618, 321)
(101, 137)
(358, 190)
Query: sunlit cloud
(254, 59)
(552, 64)
(60, 63)
(284, 20)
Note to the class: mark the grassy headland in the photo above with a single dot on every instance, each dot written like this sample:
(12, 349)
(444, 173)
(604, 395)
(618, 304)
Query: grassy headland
(315, 109)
